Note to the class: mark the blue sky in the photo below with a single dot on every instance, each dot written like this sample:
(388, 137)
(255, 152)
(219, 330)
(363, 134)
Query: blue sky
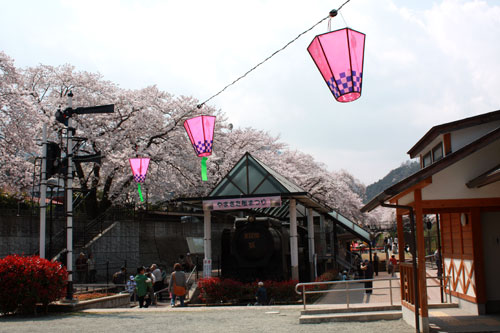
(426, 62)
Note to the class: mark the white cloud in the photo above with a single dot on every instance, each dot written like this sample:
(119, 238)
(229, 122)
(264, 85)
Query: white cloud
(425, 63)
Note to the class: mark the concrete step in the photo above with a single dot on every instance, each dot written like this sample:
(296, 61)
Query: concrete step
(352, 309)
(359, 316)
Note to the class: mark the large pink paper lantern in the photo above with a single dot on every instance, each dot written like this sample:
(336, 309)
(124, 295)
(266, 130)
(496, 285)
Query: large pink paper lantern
(339, 57)
(201, 133)
(139, 169)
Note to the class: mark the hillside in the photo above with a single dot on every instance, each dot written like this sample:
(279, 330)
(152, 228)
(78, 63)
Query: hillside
(404, 170)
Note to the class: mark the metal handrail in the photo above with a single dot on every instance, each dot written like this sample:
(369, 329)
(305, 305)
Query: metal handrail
(304, 292)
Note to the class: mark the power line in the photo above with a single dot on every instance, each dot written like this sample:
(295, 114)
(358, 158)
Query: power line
(332, 13)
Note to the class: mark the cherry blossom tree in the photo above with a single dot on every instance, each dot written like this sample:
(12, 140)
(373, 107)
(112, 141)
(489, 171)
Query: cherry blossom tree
(18, 128)
(147, 122)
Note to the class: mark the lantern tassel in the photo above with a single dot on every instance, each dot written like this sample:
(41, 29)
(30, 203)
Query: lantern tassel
(204, 169)
(140, 192)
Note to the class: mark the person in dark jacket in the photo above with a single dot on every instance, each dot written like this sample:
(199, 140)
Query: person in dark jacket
(261, 294)
(376, 263)
(368, 272)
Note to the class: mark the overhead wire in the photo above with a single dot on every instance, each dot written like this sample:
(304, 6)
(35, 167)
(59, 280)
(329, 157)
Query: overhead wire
(331, 14)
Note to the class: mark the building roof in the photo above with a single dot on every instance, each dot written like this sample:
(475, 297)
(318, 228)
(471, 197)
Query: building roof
(434, 168)
(250, 176)
(349, 225)
(452, 126)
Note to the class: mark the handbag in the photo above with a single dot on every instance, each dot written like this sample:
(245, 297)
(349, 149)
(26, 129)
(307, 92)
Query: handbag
(178, 290)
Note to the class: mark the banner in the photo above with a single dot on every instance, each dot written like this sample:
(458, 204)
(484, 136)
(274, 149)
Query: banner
(242, 203)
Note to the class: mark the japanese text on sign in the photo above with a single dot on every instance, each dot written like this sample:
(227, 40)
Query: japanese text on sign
(242, 203)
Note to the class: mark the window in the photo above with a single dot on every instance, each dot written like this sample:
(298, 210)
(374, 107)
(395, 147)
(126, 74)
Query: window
(437, 152)
(427, 159)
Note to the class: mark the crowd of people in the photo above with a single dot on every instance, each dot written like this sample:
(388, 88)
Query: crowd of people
(148, 285)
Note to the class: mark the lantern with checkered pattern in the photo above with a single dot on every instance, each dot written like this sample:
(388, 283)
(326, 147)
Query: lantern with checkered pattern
(201, 133)
(139, 169)
(339, 57)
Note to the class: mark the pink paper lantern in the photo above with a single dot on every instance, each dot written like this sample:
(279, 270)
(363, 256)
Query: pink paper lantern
(139, 168)
(339, 57)
(201, 133)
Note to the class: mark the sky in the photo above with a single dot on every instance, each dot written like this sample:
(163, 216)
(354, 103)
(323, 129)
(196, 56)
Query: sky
(426, 63)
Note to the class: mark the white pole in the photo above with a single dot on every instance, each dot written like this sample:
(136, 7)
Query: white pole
(310, 238)
(69, 203)
(43, 192)
(294, 246)
(207, 243)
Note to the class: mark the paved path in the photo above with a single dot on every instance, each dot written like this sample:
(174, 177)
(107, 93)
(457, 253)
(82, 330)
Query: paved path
(191, 319)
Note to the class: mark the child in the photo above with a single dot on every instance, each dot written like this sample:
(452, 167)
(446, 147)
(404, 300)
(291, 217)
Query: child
(131, 287)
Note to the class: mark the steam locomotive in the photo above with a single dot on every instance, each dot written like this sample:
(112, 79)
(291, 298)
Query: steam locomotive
(258, 248)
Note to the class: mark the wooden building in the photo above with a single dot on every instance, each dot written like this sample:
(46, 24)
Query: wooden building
(459, 182)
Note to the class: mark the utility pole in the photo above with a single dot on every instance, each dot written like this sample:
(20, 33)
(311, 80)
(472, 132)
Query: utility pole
(43, 192)
(65, 117)
(69, 202)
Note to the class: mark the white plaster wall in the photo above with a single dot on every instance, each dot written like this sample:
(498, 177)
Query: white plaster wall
(450, 182)
(465, 136)
(407, 199)
(490, 224)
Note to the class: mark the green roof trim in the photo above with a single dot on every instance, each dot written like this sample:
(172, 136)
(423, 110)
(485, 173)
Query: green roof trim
(351, 226)
(250, 176)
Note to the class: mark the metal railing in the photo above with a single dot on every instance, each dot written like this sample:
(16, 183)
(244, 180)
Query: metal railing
(347, 289)
(304, 286)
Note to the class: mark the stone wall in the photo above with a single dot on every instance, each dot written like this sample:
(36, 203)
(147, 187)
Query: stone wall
(140, 242)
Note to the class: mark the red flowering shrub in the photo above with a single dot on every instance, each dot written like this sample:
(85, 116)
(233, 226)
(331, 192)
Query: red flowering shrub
(26, 281)
(216, 290)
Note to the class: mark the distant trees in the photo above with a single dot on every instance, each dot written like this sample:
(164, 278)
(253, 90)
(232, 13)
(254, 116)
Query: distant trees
(147, 122)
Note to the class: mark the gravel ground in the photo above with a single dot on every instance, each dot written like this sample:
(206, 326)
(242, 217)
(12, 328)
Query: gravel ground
(202, 319)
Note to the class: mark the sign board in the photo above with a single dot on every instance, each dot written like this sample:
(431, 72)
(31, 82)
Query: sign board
(242, 203)
(207, 268)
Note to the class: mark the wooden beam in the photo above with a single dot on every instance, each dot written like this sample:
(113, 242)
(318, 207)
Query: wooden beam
(477, 241)
(460, 203)
(419, 221)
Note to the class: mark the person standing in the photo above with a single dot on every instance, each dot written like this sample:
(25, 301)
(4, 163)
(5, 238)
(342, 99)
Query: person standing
(261, 295)
(158, 280)
(142, 284)
(177, 284)
(120, 278)
(376, 262)
(366, 266)
(439, 264)
(392, 265)
(81, 268)
(91, 268)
